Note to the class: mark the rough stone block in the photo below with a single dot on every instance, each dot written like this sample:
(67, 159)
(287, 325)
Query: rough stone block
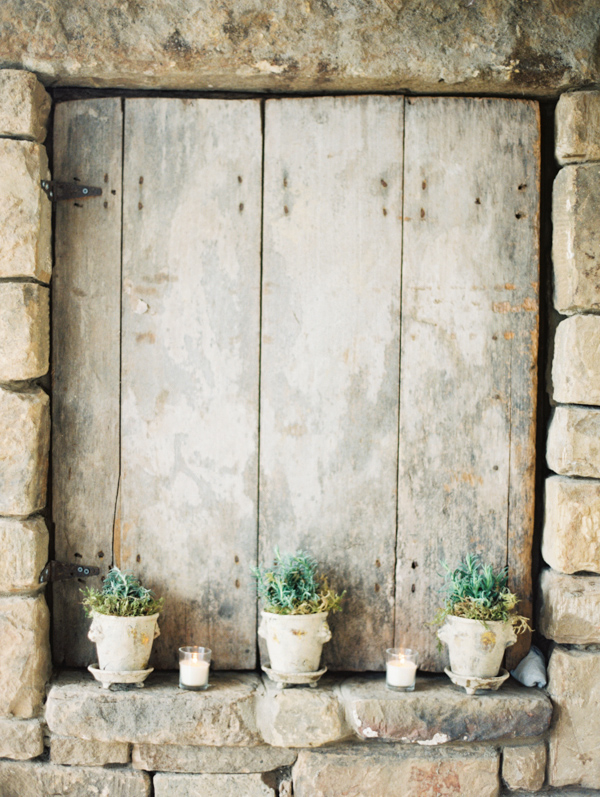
(25, 211)
(24, 105)
(573, 447)
(569, 608)
(578, 127)
(82, 753)
(576, 365)
(576, 238)
(23, 552)
(301, 717)
(571, 536)
(161, 713)
(436, 712)
(225, 760)
(24, 331)
(390, 771)
(524, 767)
(24, 628)
(574, 686)
(25, 435)
(37, 779)
(211, 786)
(21, 739)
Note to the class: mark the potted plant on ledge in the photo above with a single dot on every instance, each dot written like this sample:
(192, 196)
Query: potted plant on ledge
(297, 601)
(480, 621)
(124, 626)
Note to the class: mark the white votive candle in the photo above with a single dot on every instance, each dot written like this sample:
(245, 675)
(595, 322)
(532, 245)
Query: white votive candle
(401, 673)
(194, 664)
(401, 669)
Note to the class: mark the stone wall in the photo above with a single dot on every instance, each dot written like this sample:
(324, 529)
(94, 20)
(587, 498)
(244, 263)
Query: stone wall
(570, 587)
(25, 262)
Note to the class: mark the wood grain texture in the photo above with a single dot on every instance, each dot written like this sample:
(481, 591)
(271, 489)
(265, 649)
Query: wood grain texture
(191, 307)
(85, 358)
(469, 348)
(329, 357)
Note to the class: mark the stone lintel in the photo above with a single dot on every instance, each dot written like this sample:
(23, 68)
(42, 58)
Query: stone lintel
(24, 105)
(437, 712)
(502, 47)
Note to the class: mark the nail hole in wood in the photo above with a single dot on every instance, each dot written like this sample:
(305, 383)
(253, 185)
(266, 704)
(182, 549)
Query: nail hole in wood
(141, 180)
(384, 184)
(106, 178)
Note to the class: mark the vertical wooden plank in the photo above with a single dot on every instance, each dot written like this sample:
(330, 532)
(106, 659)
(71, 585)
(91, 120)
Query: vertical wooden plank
(329, 357)
(468, 361)
(85, 358)
(191, 306)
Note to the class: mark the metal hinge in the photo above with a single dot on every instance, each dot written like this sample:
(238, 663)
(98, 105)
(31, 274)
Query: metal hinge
(56, 191)
(61, 571)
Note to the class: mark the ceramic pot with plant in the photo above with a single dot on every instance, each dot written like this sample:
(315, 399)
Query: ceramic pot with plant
(297, 601)
(124, 622)
(479, 617)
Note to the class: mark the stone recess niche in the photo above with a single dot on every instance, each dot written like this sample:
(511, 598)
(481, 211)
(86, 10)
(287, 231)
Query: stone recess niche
(237, 48)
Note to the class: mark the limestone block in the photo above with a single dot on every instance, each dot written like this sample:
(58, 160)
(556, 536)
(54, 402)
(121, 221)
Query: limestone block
(569, 608)
(576, 238)
(578, 127)
(24, 629)
(21, 739)
(211, 786)
(161, 713)
(436, 712)
(25, 211)
(301, 717)
(571, 536)
(576, 364)
(25, 435)
(24, 331)
(23, 552)
(388, 771)
(37, 779)
(82, 753)
(24, 105)
(505, 47)
(574, 686)
(573, 447)
(225, 760)
(524, 767)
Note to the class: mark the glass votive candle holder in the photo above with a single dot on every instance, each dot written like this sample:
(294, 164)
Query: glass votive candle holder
(401, 669)
(194, 663)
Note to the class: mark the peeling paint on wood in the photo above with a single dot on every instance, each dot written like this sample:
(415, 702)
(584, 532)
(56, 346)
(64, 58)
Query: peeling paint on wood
(191, 302)
(469, 350)
(85, 355)
(329, 376)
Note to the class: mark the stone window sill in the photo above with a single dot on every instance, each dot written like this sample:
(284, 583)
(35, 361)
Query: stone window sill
(244, 710)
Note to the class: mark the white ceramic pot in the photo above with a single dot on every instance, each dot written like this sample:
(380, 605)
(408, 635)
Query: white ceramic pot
(294, 641)
(123, 643)
(476, 648)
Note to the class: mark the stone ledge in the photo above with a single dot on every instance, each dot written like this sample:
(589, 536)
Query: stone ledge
(438, 712)
(160, 713)
(238, 709)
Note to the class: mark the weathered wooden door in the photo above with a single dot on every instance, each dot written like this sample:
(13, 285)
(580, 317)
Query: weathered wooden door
(365, 389)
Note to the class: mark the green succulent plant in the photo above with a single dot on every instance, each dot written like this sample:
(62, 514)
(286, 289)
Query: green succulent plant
(121, 595)
(292, 585)
(474, 591)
